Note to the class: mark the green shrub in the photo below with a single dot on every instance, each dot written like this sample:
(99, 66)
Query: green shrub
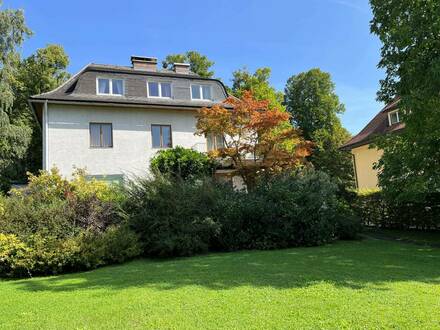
(282, 211)
(172, 217)
(182, 162)
(374, 208)
(56, 226)
(14, 256)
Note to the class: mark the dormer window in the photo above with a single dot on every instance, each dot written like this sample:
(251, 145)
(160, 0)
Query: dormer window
(201, 92)
(159, 89)
(393, 117)
(107, 86)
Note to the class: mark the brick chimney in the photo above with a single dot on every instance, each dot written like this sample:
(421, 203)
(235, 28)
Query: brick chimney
(182, 68)
(144, 63)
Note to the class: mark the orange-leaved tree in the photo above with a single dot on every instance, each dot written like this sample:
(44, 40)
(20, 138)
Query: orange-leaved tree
(257, 139)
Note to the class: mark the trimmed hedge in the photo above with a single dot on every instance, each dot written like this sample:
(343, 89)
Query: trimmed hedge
(375, 209)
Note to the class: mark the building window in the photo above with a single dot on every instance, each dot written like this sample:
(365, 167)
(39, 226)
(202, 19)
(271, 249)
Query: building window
(101, 135)
(215, 142)
(393, 117)
(159, 89)
(201, 92)
(161, 136)
(106, 86)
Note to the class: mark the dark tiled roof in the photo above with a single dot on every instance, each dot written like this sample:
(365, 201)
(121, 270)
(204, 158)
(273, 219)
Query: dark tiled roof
(377, 126)
(81, 88)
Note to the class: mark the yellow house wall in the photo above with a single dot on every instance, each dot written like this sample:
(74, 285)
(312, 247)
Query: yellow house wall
(364, 159)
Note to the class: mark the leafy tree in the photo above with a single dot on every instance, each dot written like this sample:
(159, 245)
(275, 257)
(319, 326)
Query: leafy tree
(15, 136)
(41, 72)
(199, 63)
(255, 139)
(409, 31)
(258, 84)
(311, 100)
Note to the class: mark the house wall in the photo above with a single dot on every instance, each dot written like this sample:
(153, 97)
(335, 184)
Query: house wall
(68, 137)
(364, 159)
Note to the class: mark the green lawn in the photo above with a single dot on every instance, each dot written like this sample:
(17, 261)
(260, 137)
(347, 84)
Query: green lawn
(351, 285)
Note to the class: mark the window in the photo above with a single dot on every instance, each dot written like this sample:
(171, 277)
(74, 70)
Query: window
(106, 86)
(201, 92)
(393, 117)
(159, 89)
(101, 135)
(215, 142)
(161, 136)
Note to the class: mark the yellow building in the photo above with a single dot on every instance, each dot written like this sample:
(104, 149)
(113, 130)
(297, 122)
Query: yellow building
(364, 155)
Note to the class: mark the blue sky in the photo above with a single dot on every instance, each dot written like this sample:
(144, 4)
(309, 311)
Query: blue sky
(288, 36)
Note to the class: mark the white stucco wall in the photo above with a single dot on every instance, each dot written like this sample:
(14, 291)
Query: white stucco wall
(68, 137)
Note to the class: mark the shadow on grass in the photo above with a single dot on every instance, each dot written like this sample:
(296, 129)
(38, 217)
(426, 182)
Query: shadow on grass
(352, 265)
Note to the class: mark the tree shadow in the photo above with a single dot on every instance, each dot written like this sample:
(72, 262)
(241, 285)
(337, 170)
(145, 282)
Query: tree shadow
(353, 265)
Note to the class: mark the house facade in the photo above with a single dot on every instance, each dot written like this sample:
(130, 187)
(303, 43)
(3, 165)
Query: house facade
(365, 155)
(111, 120)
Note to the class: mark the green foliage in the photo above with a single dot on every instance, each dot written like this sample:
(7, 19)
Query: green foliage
(374, 208)
(409, 33)
(176, 218)
(258, 84)
(63, 226)
(300, 209)
(311, 100)
(199, 63)
(173, 218)
(183, 163)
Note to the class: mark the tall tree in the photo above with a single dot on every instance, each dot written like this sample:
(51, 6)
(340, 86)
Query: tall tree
(15, 136)
(39, 73)
(410, 33)
(311, 100)
(199, 63)
(255, 139)
(258, 84)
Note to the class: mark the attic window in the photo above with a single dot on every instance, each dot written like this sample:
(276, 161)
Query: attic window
(106, 86)
(159, 89)
(201, 92)
(393, 117)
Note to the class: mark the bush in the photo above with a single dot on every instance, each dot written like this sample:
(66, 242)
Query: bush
(374, 208)
(56, 226)
(181, 218)
(182, 162)
(172, 217)
(283, 211)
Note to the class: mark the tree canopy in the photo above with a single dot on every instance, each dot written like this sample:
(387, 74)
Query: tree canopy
(255, 137)
(311, 99)
(409, 31)
(199, 64)
(258, 84)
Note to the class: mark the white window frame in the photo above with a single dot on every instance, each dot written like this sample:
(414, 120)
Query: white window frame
(159, 83)
(110, 93)
(389, 117)
(201, 92)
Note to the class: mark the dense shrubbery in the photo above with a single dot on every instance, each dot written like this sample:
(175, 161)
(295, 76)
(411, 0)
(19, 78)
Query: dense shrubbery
(57, 226)
(178, 217)
(374, 208)
(182, 163)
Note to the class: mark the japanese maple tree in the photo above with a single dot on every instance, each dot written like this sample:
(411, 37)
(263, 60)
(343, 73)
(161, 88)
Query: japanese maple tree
(257, 139)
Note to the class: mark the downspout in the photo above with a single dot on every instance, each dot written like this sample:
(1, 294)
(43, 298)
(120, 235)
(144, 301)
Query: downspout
(353, 158)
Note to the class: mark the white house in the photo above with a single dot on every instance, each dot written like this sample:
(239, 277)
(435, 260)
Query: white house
(111, 120)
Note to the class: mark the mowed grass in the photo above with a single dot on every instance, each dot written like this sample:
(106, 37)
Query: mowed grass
(346, 285)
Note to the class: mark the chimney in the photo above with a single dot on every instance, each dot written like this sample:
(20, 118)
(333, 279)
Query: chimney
(182, 68)
(144, 63)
